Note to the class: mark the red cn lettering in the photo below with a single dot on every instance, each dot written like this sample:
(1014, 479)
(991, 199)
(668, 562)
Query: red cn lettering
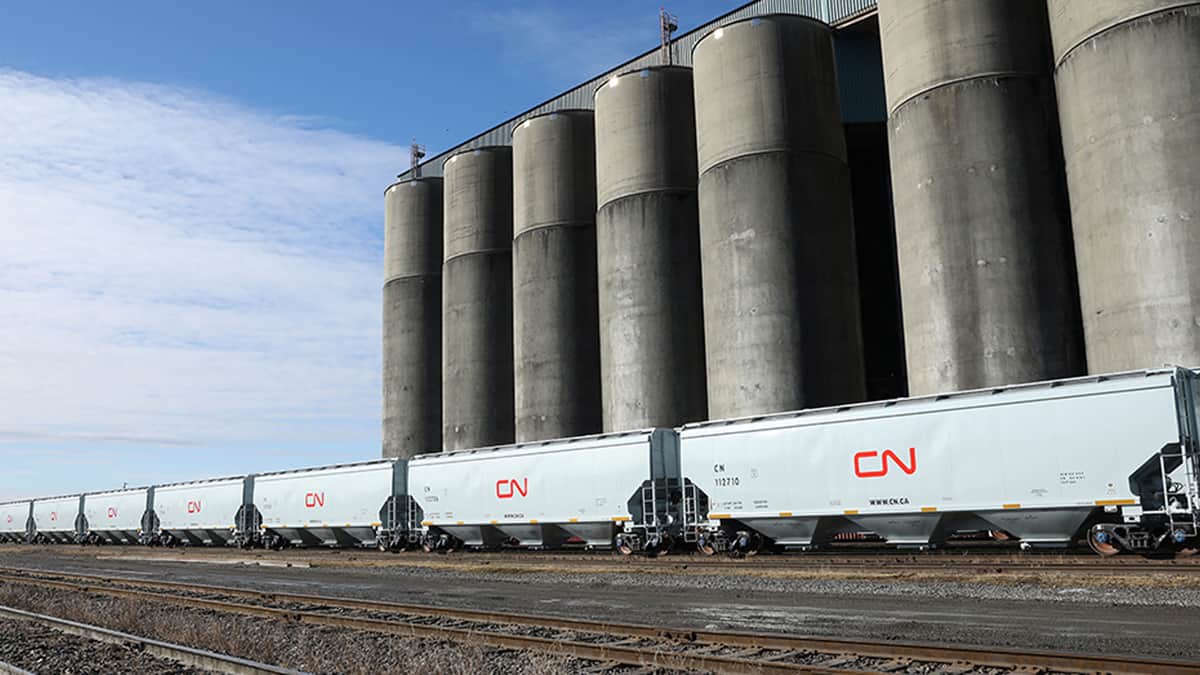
(10, 519)
(314, 499)
(54, 515)
(193, 507)
(509, 488)
(112, 512)
(888, 454)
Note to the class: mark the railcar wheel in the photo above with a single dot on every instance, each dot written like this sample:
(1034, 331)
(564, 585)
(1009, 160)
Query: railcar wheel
(705, 546)
(1187, 552)
(1101, 542)
(622, 545)
(999, 535)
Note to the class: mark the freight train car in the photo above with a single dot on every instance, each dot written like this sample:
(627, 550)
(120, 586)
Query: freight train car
(1114, 457)
(342, 505)
(117, 517)
(57, 519)
(205, 512)
(1040, 462)
(597, 491)
(14, 521)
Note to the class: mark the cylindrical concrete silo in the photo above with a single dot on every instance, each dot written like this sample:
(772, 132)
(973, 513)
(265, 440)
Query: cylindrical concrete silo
(556, 350)
(1128, 80)
(412, 317)
(781, 311)
(986, 275)
(648, 251)
(477, 351)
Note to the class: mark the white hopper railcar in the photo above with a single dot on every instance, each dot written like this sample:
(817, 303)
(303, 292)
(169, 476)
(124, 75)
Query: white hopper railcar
(57, 519)
(14, 521)
(343, 505)
(117, 517)
(204, 512)
(1037, 461)
(598, 491)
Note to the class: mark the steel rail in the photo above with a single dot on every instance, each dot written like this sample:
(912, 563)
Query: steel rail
(621, 653)
(924, 566)
(188, 656)
(10, 669)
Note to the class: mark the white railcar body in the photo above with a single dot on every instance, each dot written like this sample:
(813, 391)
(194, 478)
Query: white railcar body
(116, 517)
(200, 512)
(542, 493)
(1034, 461)
(14, 521)
(330, 506)
(54, 518)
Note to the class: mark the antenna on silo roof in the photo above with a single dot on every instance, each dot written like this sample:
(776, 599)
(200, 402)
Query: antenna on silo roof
(667, 24)
(416, 152)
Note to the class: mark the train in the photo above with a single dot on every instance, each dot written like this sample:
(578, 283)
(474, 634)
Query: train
(1110, 459)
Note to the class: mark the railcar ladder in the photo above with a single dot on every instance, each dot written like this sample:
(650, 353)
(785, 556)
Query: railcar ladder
(650, 510)
(1181, 500)
(691, 513)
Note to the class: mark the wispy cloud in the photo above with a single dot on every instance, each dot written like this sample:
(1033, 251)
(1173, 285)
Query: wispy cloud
(553, 38)
(178, 270)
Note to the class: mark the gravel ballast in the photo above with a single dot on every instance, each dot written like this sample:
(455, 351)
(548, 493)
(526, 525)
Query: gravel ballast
(38, 649)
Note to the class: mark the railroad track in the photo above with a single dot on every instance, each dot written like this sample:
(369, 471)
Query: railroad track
(823, 562)
(947, 565)
(195, 658)
(607, 644)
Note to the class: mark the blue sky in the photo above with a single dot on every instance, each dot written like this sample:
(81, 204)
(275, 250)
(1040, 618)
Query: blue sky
(191, 214)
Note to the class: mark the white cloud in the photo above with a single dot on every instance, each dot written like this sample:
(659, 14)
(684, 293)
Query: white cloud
(177, 270)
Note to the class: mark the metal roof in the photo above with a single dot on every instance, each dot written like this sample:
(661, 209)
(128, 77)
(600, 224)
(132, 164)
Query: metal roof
(833, 12)
(1144, 374)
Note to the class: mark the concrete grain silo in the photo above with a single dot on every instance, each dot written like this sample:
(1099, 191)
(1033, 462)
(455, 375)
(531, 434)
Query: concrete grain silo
(556, 350)
(477, 352)
(412, 317)
(986, 274)
(1128, 79)
(648, 251)
(781, 311)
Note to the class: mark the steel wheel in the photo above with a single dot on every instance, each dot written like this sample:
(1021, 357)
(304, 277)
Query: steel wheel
(1098, 539)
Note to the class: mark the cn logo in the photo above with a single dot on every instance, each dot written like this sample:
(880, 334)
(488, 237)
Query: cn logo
(314, 499)
(112, 512)
(883, 469)
(10, 519)
(509, 488)
(193, 507)
(53, 515)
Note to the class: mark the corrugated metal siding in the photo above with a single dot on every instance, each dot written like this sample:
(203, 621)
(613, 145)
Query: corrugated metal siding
(840, 10)
(858, 107)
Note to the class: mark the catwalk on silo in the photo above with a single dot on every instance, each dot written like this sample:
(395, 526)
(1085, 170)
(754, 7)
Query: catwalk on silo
(986, 271)
(412, 317)
(648, 251)
(556, 350)
(781, 311)
(1128, 80)
(477, 368)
